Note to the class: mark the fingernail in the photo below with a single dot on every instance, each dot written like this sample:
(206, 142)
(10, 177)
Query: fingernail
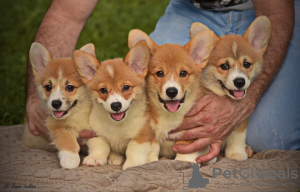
(198, 161)
(175, 150)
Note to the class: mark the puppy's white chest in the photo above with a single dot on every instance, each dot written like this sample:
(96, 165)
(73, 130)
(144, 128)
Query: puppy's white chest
(117, 134)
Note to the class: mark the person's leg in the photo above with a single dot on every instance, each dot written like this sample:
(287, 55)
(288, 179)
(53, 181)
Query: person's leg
(275, 123)
(174, 25)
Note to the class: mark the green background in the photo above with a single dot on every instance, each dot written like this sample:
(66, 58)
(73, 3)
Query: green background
(107, 28)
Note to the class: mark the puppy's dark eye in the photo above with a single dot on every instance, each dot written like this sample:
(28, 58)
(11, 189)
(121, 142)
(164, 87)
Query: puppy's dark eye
(126, 88)
(183, 73)
(103, 90)
(225, 66)
(247, 64)
(160, 74)
(48, 88)
(70, 88)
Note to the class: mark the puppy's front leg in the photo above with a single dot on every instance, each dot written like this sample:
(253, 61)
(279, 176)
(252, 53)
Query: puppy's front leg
(235, 143)
(99, 150)
(65, 140)
(137, 153)
(154, 154)
(139, 148)
(115, 159)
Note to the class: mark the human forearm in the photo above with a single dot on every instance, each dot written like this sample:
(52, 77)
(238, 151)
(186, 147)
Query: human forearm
(282, 17)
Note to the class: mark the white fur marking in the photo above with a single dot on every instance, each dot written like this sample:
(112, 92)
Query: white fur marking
(168, 84)
(234, 48)
(68, 159)
(110, 70)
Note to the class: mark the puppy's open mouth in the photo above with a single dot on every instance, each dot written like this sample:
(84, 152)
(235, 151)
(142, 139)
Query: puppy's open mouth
(238, 94)
(60, 114)
(118, 116)
(171, 105)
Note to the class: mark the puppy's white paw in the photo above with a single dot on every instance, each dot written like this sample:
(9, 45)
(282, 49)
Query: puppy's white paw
(212, 161)
(152, 159)
(237, 155)
(129, 163)
(69, 160)
(115, 159)
(93, 160)
(187, 157)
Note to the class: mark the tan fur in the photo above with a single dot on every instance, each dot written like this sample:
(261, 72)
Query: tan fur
(171, 59)
(132, 135)
(234, 50)
(60, 73)
(145, 134)
(242, 126)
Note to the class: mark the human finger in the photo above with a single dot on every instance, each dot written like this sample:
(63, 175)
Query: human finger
(213, 152)
(87, 134)
(196, 133)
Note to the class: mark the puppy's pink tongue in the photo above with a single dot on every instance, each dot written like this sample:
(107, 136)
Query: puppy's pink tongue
(118, 116)
(239, 94)
(173, 105)
(58, 113)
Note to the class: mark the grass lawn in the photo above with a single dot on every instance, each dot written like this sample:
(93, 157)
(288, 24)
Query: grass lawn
(107, 28)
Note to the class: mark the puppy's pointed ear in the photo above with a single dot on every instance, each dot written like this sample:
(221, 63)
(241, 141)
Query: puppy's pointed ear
(89, 48)
(258, 33)
(197, 27)
(85, 64)
(39, 57)
(136, 36)
(138, 58)
(201, 46)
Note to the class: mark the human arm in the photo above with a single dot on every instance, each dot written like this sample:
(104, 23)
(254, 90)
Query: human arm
(58, 32)
(213, 117)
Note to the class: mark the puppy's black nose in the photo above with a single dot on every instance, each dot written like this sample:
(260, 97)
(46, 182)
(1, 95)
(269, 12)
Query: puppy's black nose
(239, 82)
(116, 106)
(56, 104)
(172, 92)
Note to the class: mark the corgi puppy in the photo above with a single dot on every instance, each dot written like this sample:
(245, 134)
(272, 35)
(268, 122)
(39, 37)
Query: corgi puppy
(120, 114)
(65, 98)
(232, 67)
(173, 85)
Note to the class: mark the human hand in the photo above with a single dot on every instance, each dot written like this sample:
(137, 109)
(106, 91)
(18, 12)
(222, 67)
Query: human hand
(36, 116)
(83, 136)
(208, 123)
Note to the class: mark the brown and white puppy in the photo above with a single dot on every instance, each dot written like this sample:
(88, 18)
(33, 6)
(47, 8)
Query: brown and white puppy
(65, 98)
(232, 67)
(173, 85)
(120, 114)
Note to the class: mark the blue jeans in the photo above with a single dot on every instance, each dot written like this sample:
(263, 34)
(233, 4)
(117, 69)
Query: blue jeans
(275, 123)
